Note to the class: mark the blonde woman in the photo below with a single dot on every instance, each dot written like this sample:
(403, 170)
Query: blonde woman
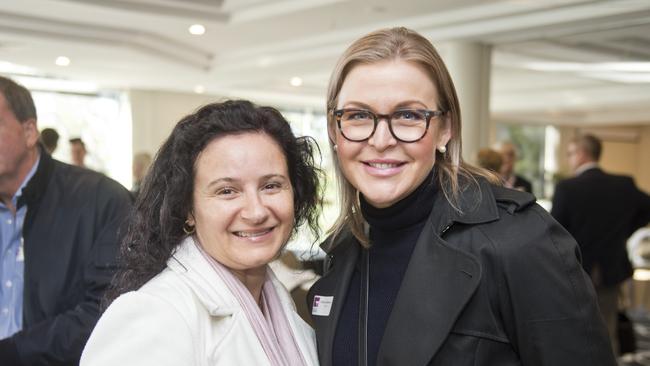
(430, 262)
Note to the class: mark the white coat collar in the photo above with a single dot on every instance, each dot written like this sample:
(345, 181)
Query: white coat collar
(188, 262)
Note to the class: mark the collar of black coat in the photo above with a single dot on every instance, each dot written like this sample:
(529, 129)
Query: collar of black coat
(36, 186)
(478, 202)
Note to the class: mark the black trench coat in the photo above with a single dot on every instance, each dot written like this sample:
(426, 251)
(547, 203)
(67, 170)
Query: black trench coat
(500, 285)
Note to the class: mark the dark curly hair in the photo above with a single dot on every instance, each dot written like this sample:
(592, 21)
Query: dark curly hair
(165, 199)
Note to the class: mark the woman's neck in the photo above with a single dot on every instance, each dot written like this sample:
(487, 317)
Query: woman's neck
(411, 210)
(253, 279)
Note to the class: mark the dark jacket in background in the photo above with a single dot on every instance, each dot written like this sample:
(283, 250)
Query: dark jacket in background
(522, 184)
(70, 244)
(602, 211)
(500, 284)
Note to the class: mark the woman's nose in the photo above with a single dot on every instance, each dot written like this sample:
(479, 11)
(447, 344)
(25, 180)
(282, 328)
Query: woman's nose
(382, 138)
(254, 210)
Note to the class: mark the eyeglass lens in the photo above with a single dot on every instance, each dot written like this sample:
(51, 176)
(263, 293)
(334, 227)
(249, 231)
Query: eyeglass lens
(406, 125)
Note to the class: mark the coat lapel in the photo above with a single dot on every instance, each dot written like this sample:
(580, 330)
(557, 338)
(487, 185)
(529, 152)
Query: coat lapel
(335, 283)
(436, 286)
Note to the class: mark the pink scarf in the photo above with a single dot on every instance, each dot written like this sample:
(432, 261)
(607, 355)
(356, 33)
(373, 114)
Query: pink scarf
(271, 326)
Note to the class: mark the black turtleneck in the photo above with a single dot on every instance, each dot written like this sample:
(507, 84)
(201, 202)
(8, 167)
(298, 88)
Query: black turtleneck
(393, 233)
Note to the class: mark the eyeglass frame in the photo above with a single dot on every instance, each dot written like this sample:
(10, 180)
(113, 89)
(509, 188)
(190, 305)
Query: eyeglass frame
(428, 114)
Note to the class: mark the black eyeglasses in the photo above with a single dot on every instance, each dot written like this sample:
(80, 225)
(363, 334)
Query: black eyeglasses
(406, 125)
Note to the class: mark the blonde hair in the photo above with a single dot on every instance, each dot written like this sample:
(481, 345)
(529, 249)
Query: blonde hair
(399, 44)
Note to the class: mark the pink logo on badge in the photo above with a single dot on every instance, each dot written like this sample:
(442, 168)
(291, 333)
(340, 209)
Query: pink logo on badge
(322, 305)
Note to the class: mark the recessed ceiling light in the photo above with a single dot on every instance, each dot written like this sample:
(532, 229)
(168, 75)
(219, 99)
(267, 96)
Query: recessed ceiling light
(62, 61)
(196, 29)
(199, 89)
(295, 81)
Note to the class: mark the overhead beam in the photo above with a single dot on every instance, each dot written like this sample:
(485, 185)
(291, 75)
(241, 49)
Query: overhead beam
(144, 42)
(195, 9)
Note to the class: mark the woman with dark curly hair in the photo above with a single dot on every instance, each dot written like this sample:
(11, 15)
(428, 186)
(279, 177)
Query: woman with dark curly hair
(224, 195)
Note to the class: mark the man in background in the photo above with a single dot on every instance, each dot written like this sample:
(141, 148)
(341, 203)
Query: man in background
(508, 153)
(601, 211)
(50, 139)
(58, 237)
(78, 152)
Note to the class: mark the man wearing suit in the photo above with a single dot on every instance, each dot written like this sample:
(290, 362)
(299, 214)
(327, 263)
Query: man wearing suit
(58, 242)
(601, 211)
(508, 153)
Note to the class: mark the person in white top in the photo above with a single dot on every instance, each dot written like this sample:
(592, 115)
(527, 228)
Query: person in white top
(224, 194)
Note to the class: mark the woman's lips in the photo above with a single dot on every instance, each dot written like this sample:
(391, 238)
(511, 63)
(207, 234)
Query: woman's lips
(254, 235)
(383, 168)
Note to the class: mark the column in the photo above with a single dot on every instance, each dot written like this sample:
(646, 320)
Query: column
(469, 65)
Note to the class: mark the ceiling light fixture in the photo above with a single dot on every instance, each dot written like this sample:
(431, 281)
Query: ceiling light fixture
(295, 81)
(62, 61)
(196, 29)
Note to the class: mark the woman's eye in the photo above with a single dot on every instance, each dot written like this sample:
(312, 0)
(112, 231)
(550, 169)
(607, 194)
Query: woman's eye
(357, 116)
(272, 186)
(410, 115)
(225, 191)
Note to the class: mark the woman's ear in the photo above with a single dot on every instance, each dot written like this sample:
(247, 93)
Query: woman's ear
(331, 131)
(444, 132)
(190, 219)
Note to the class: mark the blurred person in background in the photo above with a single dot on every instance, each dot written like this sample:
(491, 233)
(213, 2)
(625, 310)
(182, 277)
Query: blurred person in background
(601, 211)
(431, 261)
(78, 152)
(141, 163)
(489, 159)
(58, 242)
(509, 156)
(223, 196)
(50, 140)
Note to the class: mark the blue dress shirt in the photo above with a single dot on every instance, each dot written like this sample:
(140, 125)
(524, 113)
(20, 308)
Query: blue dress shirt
(12, 263)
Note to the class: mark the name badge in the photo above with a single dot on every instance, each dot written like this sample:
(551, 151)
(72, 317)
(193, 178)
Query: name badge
(322, 305)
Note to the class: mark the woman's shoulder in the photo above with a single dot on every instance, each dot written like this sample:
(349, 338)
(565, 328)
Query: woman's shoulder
(514, 199)
(338, 241)
(165, 293)
(168, 286)
(144, 326)
(523, 227)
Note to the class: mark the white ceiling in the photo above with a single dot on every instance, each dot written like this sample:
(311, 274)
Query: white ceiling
(553, 60)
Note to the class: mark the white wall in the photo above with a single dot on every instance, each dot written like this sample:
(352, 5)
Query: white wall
(155, 113)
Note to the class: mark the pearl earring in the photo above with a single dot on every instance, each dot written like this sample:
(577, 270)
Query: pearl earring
(335, 147)
(442, 149)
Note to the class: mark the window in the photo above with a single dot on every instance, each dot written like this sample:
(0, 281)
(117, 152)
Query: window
(536, 145)
(102, 121)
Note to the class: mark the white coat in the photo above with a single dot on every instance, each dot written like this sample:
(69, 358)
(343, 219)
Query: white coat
(186, 316)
